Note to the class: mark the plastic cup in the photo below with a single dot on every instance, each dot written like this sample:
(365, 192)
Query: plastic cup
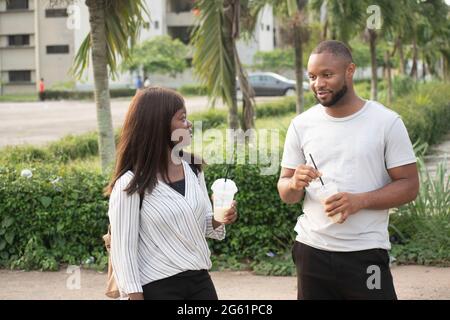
(223, 195)
(326, 191)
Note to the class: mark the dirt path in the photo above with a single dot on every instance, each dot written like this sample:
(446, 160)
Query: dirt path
(412, 282)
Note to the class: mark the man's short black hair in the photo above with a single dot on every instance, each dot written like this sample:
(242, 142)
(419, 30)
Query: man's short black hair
(337, 48)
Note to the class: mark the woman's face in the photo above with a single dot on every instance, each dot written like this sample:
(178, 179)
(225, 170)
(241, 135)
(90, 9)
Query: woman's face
(181, 128)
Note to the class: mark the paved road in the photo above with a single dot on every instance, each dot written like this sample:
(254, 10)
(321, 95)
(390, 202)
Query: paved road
(411, 282)
(41, 122)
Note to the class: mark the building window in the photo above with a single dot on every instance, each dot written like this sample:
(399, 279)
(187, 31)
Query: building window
(19, 40)
(16, 4)
(156, 24)
(57, 49)
(19, 76)
(56, 13)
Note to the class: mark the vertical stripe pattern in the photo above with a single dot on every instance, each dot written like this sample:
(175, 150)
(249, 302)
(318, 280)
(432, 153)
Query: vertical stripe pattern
(164, 238)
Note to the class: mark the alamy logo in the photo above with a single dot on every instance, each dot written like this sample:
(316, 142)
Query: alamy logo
(73, 282)
(374, 281)
(374, 20)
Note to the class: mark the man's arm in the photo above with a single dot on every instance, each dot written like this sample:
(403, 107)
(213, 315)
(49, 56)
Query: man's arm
(403, 189)
(292, 182)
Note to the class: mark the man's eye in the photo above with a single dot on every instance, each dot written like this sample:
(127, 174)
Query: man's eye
(312, 77)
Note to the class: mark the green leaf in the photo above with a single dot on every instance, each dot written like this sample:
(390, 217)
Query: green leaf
(46, 201)
(7, 222)
(2, 244)
(9, 237)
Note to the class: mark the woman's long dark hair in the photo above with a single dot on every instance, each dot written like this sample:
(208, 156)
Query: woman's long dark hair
(145, 140)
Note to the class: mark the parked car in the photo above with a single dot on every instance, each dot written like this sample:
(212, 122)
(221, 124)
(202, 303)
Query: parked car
(271, 84)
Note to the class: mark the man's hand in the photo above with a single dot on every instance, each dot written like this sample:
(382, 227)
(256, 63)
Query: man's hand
(303, 175)
(346, 203)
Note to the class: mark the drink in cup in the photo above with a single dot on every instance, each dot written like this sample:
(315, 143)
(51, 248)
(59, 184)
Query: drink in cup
(327, 190)
(223, 195)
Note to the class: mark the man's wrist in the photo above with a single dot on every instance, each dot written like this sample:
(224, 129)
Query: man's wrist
(364, 200)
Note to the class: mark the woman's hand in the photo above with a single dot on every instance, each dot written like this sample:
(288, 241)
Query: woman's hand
(231, 214)
(229, 217)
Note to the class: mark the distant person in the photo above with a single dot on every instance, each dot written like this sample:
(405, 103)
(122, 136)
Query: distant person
(139, 83)
(147, 82)
(41, 90)
(363, 149)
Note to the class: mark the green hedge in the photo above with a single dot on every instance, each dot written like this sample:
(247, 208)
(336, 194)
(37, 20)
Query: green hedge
(86, 95)
(59, 215)
(193, 90)
(426, 112)
(43, 224)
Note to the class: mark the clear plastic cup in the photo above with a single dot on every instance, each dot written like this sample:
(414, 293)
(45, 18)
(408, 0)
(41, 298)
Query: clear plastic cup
(223, 195)
(326, 191)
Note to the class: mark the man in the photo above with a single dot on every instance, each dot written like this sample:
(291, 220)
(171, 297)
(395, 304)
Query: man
(41, 90)
(362, 147)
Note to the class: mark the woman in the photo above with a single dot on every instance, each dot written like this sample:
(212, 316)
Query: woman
(159, 208)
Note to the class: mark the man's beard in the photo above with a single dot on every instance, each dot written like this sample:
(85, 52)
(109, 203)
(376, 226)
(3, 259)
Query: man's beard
(335, 98)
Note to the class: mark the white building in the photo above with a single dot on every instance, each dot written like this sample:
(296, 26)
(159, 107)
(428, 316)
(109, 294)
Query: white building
(40, 41)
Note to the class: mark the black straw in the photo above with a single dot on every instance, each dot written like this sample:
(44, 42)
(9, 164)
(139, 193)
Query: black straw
(316, 168)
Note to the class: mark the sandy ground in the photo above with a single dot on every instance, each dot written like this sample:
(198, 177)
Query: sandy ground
(40, 122)
(411, 282)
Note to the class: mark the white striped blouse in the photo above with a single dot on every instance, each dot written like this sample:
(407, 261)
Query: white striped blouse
(166, 237)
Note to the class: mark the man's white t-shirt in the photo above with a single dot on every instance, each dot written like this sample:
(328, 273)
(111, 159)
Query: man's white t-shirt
(355, 152)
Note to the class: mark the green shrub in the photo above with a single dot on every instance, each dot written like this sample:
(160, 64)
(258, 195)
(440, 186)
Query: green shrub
(422, 227)
(403, 85)
(86, 95)
(59, 215)
(193, 90)
(265, 223)
(56, 216)
(426, 112)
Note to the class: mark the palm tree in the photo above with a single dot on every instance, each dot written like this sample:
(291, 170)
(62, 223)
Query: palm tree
(215, 59)
(114, 29)
(294, 12)
(344, 18)
(388, 15)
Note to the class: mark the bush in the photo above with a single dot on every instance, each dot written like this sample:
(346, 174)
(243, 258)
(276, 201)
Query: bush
(265, 222)
(57, 216)
(422, 227)
(193, 90)
(403, 85)
(426, 112)
(86, 95)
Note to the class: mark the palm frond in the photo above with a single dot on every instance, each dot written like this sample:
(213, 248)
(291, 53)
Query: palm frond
(123, 22)
(213, 65)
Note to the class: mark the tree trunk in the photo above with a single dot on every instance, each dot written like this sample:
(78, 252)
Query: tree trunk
(233, 119)
(401, 56)
(325, 30)
(106, 142)
(387, 63)
(373, 58)
(414, 65)
(299, 69)
(424, 67)
(445, 68)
